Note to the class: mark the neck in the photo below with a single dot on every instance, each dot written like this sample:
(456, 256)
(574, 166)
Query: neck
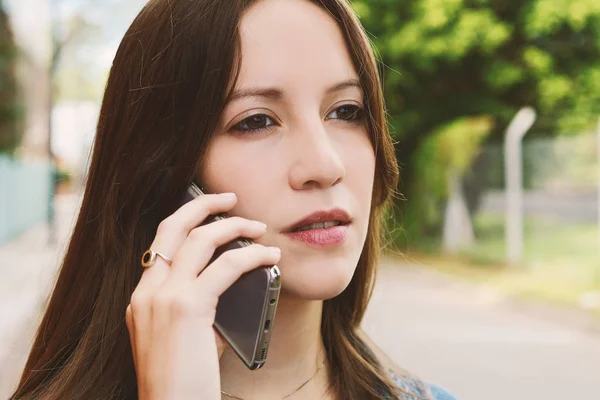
(296, 350)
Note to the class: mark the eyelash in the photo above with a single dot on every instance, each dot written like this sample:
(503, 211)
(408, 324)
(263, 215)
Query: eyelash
(357, 116)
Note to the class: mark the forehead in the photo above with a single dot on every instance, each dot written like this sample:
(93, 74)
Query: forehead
(292, 43)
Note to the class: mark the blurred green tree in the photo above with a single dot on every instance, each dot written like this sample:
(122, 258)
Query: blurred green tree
(449, 59)
(11, 111)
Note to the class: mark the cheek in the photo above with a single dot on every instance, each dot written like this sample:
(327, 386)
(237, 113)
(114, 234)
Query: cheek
(222, 166)
(231, 166)
(360, 170)
(219, 167)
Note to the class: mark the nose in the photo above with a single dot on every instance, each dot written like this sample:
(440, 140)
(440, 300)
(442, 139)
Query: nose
(317, 162)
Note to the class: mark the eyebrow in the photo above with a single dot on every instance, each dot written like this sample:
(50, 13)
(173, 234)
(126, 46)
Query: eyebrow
(274, 93)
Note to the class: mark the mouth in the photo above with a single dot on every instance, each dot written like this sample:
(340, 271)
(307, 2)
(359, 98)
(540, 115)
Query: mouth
(319, 225)
(322, 229)
(320, 220)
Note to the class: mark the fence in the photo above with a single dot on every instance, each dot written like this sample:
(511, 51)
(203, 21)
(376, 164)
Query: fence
(560, 208)
(25, 189)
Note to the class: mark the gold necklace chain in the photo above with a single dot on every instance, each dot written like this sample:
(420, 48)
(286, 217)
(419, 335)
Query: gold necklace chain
(299, 387)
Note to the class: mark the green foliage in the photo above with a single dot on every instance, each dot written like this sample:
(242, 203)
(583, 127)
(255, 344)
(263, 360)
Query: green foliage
(448, 59)
(450, 149)
(11, 113)
(451, 58)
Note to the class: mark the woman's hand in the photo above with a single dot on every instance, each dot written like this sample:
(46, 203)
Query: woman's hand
(170, 319)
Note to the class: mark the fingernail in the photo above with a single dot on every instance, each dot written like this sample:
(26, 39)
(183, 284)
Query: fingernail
(275, 250)
(260, 225)
(229, 196)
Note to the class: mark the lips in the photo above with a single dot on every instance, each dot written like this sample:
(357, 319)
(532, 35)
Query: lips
(325, 237)
(325, 219)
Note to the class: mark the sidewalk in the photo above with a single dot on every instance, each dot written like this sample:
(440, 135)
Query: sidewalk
(29, 268)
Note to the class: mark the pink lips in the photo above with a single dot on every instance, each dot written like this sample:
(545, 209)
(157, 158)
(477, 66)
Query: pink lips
(324, 237)
(331, 236)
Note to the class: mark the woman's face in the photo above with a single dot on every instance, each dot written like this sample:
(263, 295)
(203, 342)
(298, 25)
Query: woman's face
(295, 143)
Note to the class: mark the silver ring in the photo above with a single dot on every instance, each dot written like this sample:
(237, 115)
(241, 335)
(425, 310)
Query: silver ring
(149, 258)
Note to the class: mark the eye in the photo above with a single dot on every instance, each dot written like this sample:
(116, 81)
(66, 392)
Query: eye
(348, 112)
(253, 124)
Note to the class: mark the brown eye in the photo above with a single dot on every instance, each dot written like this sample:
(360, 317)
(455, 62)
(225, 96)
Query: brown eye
(348, 112)
(256, 122)
(253, 123)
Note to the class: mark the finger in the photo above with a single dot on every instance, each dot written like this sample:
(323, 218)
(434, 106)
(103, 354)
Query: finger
(230, 265)
(194, 212)
(173, 230)
(200, 245)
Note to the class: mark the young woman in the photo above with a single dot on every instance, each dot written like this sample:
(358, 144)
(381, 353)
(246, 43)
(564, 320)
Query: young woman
(275, 107)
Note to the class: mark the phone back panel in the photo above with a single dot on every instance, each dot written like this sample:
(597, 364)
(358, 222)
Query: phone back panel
(243, 308)
(241, 312)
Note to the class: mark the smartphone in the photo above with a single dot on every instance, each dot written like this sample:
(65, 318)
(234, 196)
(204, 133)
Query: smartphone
(246, 310)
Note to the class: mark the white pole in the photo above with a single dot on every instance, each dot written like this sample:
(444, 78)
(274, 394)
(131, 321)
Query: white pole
(513, 167)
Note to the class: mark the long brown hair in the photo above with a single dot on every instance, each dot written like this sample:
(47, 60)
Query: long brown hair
(169, 83)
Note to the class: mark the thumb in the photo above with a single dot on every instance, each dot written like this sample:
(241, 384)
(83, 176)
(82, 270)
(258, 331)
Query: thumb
(221, 343)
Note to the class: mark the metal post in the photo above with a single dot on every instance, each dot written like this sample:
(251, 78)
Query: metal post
(513, 168)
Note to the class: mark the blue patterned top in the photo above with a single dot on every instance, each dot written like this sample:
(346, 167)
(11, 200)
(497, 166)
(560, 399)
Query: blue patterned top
(411, 388)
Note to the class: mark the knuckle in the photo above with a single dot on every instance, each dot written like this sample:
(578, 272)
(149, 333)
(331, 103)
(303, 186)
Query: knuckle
(138, 300)
(165, 226)
(230, 257)
(197, 234)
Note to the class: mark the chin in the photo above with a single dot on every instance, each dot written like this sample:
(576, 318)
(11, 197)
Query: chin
(319, 280)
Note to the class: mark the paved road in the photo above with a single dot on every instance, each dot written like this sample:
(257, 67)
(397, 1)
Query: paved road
(462, 337)
(477, 344)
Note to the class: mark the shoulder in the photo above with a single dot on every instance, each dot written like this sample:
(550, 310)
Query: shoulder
(413, 388)
(440, 394)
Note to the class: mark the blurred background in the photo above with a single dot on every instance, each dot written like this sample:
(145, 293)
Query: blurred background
(491, 286)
